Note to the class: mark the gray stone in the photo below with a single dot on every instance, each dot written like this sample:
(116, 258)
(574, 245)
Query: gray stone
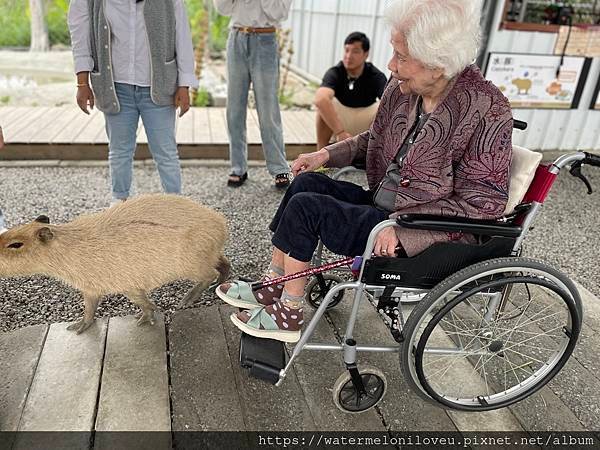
(134, 393)
(19, 354)
(266, 407)
(65, 386)
(203, 389)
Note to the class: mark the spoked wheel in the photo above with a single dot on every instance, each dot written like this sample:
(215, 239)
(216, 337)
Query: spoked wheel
(316, 291)
(491, 334)
(347, 398)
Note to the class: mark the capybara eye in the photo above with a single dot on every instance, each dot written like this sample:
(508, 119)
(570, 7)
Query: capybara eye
(16, 245)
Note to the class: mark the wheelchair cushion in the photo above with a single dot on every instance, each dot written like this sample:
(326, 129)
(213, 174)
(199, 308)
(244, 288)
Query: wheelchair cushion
(523, 164)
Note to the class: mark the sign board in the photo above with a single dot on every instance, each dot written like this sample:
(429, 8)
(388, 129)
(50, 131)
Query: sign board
(530, 81)
(596, 97)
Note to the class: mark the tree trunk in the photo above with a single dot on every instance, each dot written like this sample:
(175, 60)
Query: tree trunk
(39, 28)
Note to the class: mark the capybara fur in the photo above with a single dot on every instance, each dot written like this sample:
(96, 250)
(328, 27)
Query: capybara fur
(130, 248)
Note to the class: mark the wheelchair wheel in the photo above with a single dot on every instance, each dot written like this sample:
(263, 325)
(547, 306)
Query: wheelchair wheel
(492, 334)
(347, 398)
(315, 294)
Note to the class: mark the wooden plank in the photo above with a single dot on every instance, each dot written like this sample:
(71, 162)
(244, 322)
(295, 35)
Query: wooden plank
(135, 387)
(201, 126)
(11, 117)
(289, 133)
(63, 117)
(65, 386)
(203, 393)
(252, 128)
(264, 406)
(22, 132)
(305, 133)
(218, 126)
(184, 128)
(141, 136)
(69, 133)
(94, 123)
(19, 354)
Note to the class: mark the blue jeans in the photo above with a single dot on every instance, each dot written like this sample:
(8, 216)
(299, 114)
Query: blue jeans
(253, 57)
(121, 128)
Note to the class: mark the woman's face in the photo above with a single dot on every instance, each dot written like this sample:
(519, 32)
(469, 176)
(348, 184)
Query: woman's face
(414, 77)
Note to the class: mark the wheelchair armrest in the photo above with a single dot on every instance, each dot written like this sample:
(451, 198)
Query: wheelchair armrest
(458, 224)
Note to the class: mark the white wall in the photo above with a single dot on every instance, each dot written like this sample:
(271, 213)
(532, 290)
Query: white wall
(319, 28)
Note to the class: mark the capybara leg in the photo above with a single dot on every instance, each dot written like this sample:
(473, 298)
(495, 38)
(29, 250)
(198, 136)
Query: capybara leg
(224, 269)
(193, 294)
(141, 299)
(90, 303)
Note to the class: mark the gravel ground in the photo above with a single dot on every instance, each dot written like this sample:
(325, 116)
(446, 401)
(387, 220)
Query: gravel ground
(566, 234)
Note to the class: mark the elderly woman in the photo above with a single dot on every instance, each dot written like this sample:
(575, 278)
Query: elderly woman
(440, 144)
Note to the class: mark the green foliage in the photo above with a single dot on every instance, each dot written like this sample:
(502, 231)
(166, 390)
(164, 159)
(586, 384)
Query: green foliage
(203, 98)
(4, 99)
(286, 98)
(219, 29)
(15, 22)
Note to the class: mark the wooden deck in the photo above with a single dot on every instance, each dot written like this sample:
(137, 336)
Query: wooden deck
(66, 133)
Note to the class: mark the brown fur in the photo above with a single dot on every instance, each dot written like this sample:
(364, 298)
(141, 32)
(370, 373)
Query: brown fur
(131, 248)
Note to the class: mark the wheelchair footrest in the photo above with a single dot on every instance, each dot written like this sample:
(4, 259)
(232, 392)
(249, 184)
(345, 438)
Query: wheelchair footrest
(263, 357)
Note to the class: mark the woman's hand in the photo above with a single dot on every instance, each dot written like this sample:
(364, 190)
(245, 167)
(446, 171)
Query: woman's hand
(182, 100)
(386, 242)
(85, 97)
(307, 162)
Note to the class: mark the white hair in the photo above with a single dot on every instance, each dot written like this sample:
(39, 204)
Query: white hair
(442, 34)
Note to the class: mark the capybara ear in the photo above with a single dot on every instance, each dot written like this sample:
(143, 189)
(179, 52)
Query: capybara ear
(45, 234)
(42, 219)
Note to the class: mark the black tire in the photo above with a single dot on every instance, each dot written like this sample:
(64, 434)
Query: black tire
(314, 295)
(346, 397)
(449, 310)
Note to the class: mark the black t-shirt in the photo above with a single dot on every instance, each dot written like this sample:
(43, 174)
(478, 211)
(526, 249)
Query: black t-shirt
(359, 92)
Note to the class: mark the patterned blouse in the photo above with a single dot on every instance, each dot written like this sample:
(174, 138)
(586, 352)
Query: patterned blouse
(457, 166)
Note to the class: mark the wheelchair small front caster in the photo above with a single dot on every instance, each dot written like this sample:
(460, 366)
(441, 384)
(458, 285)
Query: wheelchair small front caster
(319, 286)
(347, 396)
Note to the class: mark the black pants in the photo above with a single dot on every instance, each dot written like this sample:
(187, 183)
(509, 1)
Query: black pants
(340, 213)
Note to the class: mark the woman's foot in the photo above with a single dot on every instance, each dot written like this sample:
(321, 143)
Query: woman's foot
(237, 180)
(240, 294)
(283, 180)
(276, 321)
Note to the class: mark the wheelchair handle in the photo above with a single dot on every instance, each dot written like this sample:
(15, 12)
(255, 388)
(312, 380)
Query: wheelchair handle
(519, 124)
(592, 160)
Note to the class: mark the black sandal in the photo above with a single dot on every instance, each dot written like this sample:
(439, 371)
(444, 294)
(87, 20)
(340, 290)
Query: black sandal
(237, 183)
(282, 180)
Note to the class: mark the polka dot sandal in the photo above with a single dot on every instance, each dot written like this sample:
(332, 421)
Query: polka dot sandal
(275, 321)
(241, 295)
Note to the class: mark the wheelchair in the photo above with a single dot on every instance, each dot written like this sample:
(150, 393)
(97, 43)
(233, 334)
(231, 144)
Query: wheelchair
(488, 327)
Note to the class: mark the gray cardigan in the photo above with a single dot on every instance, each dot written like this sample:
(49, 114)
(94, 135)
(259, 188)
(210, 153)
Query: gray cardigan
(159, 16)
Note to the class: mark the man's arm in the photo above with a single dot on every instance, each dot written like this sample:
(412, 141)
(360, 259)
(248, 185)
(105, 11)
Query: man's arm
(184, 48)
(224, 7)
(276, 10)
(79, 28)
(324, 103)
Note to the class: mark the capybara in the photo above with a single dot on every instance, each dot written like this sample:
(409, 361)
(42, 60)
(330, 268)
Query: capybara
(130, 248)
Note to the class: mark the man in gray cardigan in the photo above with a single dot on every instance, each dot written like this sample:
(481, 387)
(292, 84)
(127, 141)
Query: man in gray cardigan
(138, 56)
